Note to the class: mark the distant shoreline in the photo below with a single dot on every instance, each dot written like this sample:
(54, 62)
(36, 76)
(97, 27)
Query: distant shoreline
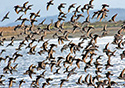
(111, 32)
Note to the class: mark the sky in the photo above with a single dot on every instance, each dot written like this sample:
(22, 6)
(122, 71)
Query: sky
(8, 5)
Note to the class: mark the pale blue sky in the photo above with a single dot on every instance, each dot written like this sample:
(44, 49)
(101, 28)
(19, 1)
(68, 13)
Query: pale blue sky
(8, 5)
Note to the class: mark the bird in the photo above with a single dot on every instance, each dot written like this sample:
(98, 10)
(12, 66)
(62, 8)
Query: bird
(88, 65)
(37, 14)
(57, 24)
(98, 70)
(99, 14)
(106, 47)
(104, 31)
(104, 14)
(119, 45)
(7, 68)
(95, 13)
(61, 14)
(16, 56)
(10, 44)
(1, 76)
(41, 65)
(27, 8)
(78, 17)
(77, 62)
(90, 2)
(13, 68)
(1, 34)
(18, 8)
(44, 46)
(73, 47)
(51, 66)
(23, 21)
(62, 25)
(95, 37)
(108, 74)
(70, 73)
(71, 6)
(32, 14)
(30, 71)
(33, 84)
(61, 6)
(32, 21)
(11, 81)
(49, 27)
(5, 17)
(48, 79)
(38, 78)
(122, 75)
(77, 9)
(49, 3)
(113, 18)
(120, 31)
(86, 78)
(19, 18)
(32, 50)
(90, 81)
(79, 80)
(41, 38)
(104, 5)
(87, 20)
(75, 26)
(122, 55)
(62, 82)
(24, 4)
(67, 69)
(84, 7)
(108, 63)
(1, 82)
(89, 29)
(44, 84)
(89, 7)
(20, 82)
(3, 50)
(41, 23)
(61, 38)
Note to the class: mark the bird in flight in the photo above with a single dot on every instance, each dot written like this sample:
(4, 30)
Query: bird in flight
(5, 17)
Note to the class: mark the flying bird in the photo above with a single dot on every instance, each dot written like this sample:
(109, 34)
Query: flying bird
(71, 6)
(5, 17)
(113, 18)
(122, 75)
(19, 18)
(49, 3)
(24, 5)
(61, 6)
(41, 23)
(62, 82)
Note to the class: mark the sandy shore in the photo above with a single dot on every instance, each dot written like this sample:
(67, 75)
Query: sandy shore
(9, 32)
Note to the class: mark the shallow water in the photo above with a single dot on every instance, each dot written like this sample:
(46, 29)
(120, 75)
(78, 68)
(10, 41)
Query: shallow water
(25, 61)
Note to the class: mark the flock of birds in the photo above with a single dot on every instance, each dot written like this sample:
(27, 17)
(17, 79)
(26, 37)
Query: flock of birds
(88, 57)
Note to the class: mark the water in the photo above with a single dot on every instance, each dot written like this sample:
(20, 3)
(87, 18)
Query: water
(25, 61)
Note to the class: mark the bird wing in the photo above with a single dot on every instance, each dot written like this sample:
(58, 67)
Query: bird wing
(86, 78)
(77, 63)
(113, 18)
(30, 75)
(47, 7)
(79, 79)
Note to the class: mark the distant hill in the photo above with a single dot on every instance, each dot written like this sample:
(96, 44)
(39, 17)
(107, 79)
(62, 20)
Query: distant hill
(112, 11)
